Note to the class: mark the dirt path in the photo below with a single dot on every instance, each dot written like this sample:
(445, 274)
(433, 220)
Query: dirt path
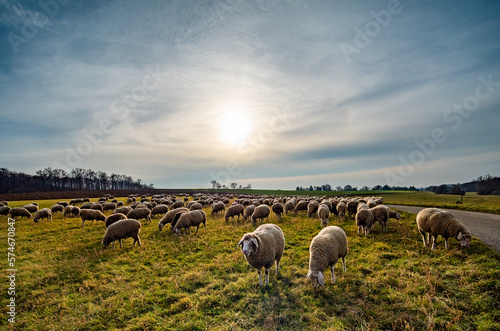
(485, 227)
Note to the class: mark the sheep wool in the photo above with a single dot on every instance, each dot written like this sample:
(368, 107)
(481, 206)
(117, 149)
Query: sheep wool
(326, 248)
(364, 220)
(169, 216)
(323, 213)
(262, 248)
(437, 222)
(185, 220)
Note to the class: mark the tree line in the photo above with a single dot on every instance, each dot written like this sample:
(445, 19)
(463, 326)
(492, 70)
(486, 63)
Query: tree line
(328, 187)
(50, 179)
(483, 185)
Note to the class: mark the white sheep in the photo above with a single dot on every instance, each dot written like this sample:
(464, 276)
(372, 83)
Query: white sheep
(248, 212)
(91, 215)
(41, 214)
(277, 209)
(185, 220)
(323, 213)
(437, 222)
(121, 230)
(341, 207)
(364, 220)
(381, 215)
(139, 213)
(19, 211)
(263, 247)
(312, 207)
(326, 248)
(260, 212)
(169, 216)
(234, 210)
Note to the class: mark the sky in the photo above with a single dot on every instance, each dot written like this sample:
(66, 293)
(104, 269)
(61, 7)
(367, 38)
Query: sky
(275, 93)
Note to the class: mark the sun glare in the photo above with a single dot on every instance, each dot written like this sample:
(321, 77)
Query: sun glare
(235, 126)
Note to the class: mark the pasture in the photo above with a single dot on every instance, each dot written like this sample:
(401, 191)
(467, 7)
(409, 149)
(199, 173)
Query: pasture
(65, 280)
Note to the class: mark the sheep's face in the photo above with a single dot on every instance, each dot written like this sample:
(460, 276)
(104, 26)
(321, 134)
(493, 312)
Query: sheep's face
(317, 278)
(160, 226)
(249, 246)
(464, 239)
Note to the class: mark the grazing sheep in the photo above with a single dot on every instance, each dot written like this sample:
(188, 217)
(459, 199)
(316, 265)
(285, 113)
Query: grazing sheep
(169, 216)
(91, 215)
(41, 214)
(260, 212)
(4, 210)
(86, 205)
(119, 204)
(218, 207)
(196, 206)
(312, 207)
(234, 210)
(178, 204)
(62, 203)
(159, 210)
(437, 222)
(277, 209)
(19, 211)
(109, 206)
(32, 208)
(185, 220)
(140, 213)
(121, 230)
(56, 208)
(123, 210)
(323, 213)
(362, 205)
(4, 202)
(114, 218)
(352, 206)
(263, 247)
(341, 207)
(364, 220)
(248, 212)
(326, 248)
(381, 215)
(301, 205)
(288, 207)
(75, 201)
(97, 206)
(371, 203)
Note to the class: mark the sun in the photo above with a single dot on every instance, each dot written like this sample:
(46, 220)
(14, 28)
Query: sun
(235, 126)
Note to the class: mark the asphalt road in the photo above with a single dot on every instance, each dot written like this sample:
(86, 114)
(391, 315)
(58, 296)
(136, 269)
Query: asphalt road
(485, 227)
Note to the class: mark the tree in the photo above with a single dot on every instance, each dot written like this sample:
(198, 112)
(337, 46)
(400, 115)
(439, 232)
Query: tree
(233, 185)
(348, 188)
(214, 183)
(365, 188)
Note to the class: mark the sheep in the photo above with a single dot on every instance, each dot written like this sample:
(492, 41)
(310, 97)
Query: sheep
(364, 220)
(323, 213)
(4, 210)
(248, 212)
(437, 222)
(122, 229)
(326, 248)
(382, 214)
(32, 208)
(19, 211)
(277, 209)
(140, 213)
(288, 207)
(169, 216)
(159, 210)
(312, 207)
(263, 247)
(122, 210)
(109, 206)
(62, 203)
(341, 207)
(352, 207)
(234, 210)
(56, 208)
(260, 212)
(371, 203)
(87, 205)
(91, 215)
(196, 206)
(41, 214)
(4, 202)
(114, 218)
(301, 205)
(185, 220)
(178, 204)
(97, 206)
(218, 207)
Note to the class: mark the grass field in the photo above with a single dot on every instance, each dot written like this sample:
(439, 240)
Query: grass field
(65, 280)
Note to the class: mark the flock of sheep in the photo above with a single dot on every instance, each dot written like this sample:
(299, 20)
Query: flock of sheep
(263, 247)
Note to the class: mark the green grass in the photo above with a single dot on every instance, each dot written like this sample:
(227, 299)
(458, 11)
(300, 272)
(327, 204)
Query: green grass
(66, 281)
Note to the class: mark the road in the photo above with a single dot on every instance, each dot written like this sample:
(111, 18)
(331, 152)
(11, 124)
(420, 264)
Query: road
(485, 227)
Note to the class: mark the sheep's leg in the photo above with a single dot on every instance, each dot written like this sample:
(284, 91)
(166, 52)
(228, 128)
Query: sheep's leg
(120, 241)
(333, 273)
(260, 277)
(423, 237)
(267, 276)
(197, 228)
(434, 239)
(277, 266)
(138, 241)
(446, 243)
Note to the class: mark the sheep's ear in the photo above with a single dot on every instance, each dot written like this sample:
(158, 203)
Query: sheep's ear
(309, 274)
(460, 236)
(321, 278)
(239, 244)
(254, 241)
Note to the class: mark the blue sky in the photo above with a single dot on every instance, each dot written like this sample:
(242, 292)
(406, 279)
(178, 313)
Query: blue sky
(273, 93)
